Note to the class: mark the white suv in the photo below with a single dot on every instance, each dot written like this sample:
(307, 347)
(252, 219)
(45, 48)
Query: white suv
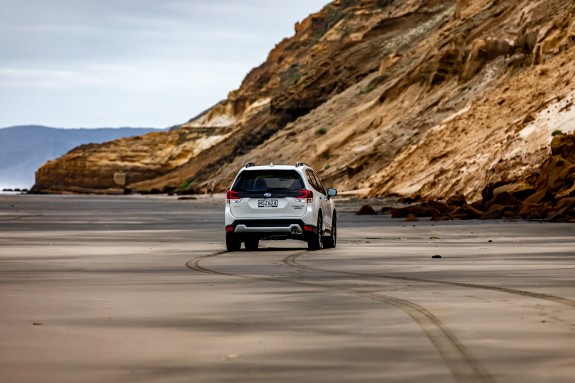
(279, 202)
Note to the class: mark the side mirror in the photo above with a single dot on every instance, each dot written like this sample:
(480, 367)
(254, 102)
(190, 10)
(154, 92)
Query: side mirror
(331, 193)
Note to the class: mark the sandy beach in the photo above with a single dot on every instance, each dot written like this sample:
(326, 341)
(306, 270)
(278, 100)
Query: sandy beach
(138, 288)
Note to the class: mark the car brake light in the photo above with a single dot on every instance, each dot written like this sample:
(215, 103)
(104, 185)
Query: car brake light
(304, 195)
(308, 228)
(232, 195)
(230, 229)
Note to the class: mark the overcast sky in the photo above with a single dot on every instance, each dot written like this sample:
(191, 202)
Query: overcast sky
(140, 63)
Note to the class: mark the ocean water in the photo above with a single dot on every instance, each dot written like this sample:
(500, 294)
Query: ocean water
(6, 188)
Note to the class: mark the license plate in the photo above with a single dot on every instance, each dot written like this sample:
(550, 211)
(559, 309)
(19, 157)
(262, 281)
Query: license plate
(268, 203)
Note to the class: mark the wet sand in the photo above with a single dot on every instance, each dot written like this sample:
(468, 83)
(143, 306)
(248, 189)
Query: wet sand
(121, 289)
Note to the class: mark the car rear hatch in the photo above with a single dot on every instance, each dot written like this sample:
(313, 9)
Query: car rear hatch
(268, 194)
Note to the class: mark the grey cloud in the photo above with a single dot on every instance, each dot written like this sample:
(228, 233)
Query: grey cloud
(181, 56)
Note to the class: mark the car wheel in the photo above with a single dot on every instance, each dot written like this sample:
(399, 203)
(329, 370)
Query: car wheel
(331, 242)
(252, 244)
(316, 241)
(232, 242)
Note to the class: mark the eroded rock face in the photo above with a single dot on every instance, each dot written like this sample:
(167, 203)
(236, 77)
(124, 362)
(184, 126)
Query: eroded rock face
(114, 166)
(483, 51)
(563, 145)
(422, 97)
(547, 194)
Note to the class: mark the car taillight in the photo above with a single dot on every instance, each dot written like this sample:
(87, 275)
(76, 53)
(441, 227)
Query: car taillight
(232, 195)
(304, 195)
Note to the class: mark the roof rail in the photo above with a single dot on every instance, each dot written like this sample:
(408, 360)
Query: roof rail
(250, 164)
(298, 164)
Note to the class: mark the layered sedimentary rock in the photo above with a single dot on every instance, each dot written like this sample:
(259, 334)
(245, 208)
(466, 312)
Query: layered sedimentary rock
(112, 167)
(418, 97)
(547, 193)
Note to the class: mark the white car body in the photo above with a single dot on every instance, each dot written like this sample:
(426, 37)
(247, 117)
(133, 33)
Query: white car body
(279, 202)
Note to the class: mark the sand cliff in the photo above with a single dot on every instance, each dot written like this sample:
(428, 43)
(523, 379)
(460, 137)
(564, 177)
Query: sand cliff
(419, 97)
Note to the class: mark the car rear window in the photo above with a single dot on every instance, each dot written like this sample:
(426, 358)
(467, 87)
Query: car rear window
(268, 180)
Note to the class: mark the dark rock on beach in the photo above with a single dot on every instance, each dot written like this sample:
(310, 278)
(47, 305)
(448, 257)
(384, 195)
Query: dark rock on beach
(366, 210)
(547, 193)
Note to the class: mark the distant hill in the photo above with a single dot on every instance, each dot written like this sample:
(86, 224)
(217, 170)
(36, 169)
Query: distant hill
(23, 149)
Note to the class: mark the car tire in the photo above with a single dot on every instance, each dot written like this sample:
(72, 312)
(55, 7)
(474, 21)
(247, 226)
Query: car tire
(331, 241)
(252, 244)
(316, 241)
(233, 243)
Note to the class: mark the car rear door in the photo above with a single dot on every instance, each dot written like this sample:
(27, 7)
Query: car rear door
(324, 204)
(268, 194)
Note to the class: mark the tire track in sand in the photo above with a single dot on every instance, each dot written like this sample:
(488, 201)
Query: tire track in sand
(461, 363)
(547, 297)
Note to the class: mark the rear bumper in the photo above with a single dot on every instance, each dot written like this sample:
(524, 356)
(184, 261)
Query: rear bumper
(305, 215)
(291, 229)
(272, 229)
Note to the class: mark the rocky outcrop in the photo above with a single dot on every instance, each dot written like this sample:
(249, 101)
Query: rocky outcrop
(547, 194)
(481, 52)
(114, 166)
(425, 97)
(366, 210)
